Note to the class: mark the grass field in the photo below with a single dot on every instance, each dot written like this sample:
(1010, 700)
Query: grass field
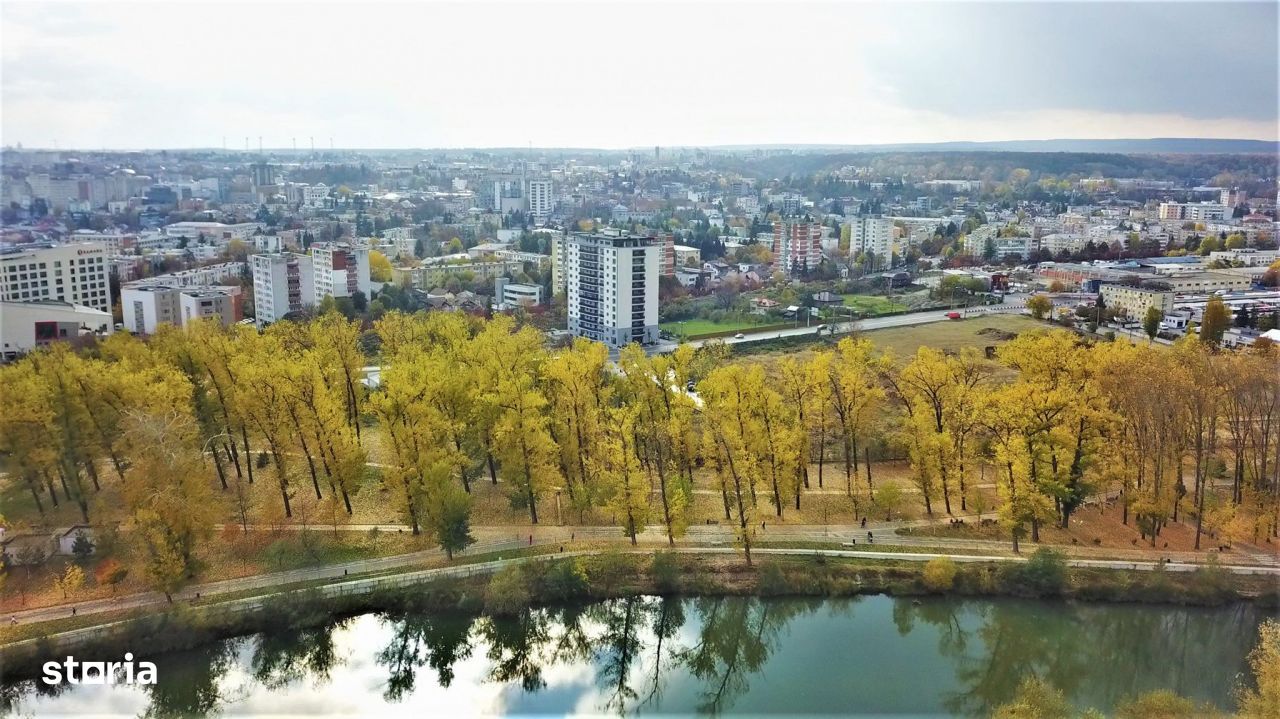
(952, 335)
(873, 304)
(902, 342)
(693, 329)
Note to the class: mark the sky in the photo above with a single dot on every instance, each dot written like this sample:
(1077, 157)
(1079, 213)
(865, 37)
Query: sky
(616, 74)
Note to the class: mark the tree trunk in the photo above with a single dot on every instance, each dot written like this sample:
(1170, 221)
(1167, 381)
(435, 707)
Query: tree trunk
(93, 473)
(31, 484)
(248, 453)
(53, 495)
(462, 469)
(217, 464)
(848, 467)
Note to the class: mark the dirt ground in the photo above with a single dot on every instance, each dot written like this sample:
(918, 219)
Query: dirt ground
(1103, 527)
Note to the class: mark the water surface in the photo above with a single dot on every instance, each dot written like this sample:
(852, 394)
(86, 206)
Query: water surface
(872, 655)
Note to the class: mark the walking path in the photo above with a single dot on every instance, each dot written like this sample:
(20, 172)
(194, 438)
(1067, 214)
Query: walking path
(713, 539)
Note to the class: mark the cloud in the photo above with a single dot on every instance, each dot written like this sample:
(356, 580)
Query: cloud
(1198, 60)
(619, 74)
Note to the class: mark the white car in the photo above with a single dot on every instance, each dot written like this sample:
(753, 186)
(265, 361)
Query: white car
(739, 336)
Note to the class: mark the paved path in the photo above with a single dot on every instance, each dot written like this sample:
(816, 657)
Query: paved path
(716, 538)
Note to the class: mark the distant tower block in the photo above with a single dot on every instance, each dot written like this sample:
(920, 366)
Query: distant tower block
(657, 153)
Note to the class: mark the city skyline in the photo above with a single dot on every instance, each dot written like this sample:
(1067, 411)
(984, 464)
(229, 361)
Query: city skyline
(440, 75)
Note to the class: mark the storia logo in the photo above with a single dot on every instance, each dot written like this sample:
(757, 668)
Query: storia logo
(72, 672)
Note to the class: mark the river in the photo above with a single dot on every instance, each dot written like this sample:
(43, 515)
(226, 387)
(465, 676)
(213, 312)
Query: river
(872, 655)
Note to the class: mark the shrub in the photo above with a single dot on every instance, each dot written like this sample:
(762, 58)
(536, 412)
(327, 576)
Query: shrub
(1210, 583)
(1045, 573)
(606, 570)
(565, 580)
(508, 591)
(285, 553)
(82, 547)
(772, 580)
(940, 574)
(1035, 699)
(1163, 704)
(666, 570)
(110, 573)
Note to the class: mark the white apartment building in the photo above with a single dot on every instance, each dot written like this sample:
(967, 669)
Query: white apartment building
(1193, 211)
(340, 270)
(1135, 301)
(197, 276)
(146, 306)
(74, 273)
(872, 235)
(315, 196)
(283, 282)
(613, 287)
(540, 198)
(686, 256)
(1063, 242)
(797, 246)
(509, 295)
(214, 232)
(559, 280)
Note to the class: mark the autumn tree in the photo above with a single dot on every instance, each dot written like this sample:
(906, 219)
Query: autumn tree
(168, 495)
(855, 396)
(730, 427)
(1151, 322)
(617, 466)
(654, 388)
(1039, 306)
(1215, 320)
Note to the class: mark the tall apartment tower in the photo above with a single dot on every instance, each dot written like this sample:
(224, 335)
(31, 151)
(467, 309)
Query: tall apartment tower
(874, 235)
(797, 246)
(559, 280)
(613, 287)
(75, 273)
(539, 197)
(283, 282)
(340, 270)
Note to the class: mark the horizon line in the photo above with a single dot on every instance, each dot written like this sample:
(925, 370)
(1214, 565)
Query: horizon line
(530, 148)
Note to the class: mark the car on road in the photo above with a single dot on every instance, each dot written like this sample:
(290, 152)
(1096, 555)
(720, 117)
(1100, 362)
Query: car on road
(739, 336)
(953, 315)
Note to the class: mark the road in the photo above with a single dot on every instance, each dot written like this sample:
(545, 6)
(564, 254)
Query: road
(712, 538)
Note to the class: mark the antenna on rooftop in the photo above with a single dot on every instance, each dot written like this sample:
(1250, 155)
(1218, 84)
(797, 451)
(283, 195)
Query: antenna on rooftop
(313, 144)
(295, 144)
(246, 143)
(259, 144)
(331, 143)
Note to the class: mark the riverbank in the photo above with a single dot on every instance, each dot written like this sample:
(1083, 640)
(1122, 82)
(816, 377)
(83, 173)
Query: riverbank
(509, 586)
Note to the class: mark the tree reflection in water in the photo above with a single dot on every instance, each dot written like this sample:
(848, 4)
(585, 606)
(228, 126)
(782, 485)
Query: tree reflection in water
(1098, 655)
(709, 649)
(191, 684)
(438, 641)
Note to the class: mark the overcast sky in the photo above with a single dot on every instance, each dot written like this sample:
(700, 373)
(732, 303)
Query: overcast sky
(620, 74)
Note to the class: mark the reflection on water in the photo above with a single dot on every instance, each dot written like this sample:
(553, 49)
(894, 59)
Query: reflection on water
(642, 655)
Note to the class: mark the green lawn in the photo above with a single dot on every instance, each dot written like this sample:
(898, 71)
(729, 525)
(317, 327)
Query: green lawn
(695, 328)
(873, 304)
